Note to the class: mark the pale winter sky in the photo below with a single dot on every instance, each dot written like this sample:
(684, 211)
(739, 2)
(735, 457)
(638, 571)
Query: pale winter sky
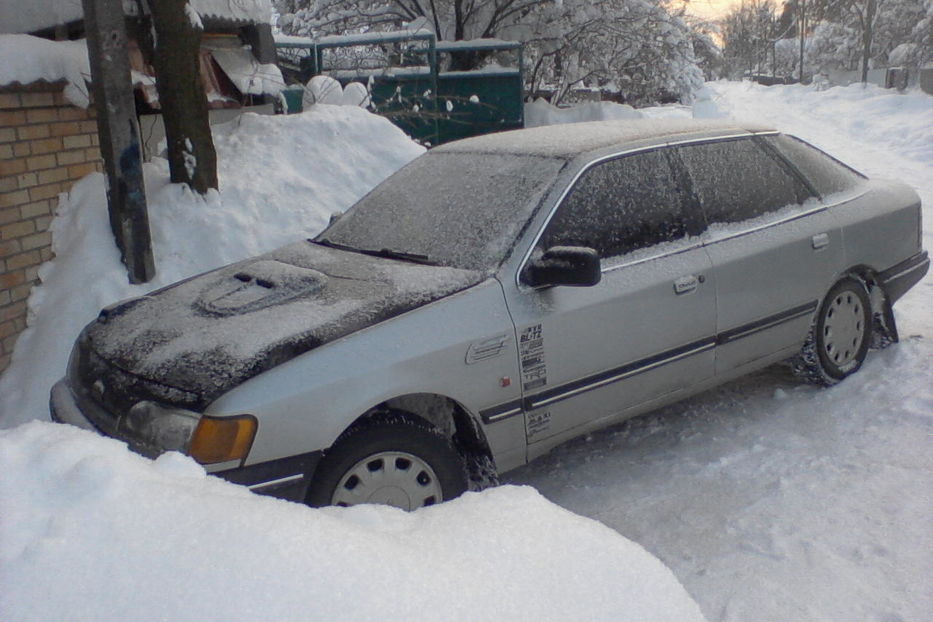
(710, 9)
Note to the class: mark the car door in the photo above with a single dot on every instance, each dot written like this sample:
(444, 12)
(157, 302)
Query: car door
(589, 354)
(774, 248)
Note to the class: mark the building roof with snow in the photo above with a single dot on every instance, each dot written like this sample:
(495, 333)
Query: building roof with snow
(28, 59)
(32, 16)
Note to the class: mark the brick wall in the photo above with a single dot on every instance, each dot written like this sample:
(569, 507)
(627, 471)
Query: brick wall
(46, 145)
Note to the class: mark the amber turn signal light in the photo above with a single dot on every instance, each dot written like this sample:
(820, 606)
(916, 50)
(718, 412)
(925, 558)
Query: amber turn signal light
(221, 439)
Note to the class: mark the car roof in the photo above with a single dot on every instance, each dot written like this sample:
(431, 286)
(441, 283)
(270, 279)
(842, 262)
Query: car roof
(572, 139)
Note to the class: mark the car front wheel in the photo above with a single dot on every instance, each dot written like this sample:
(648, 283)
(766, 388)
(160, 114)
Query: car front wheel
(399, 461)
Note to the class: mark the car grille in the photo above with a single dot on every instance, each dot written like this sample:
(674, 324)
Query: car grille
(115, 391)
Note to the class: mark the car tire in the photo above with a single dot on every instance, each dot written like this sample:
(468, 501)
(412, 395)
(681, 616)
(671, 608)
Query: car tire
(396, 460)
(839, 339)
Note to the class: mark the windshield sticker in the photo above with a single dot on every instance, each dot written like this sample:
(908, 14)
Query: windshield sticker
(536, 424)
(531, 350)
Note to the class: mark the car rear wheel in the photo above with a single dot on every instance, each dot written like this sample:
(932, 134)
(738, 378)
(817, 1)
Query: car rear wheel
(399, 461)
(839, 340)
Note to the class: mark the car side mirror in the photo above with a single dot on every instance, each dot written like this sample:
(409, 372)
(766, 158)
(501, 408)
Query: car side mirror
(576, 266)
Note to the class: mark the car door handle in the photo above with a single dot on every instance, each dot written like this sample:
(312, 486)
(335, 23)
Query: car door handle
(819, 241)
(687, 284)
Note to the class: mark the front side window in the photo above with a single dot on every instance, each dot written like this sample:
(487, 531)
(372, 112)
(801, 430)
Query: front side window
(737, 180)
(620, 206)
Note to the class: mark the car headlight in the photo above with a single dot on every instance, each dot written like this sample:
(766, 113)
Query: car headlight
(206, 439)
(161, 427)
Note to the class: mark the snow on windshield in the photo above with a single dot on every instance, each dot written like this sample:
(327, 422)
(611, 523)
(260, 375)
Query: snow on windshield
(462, 210)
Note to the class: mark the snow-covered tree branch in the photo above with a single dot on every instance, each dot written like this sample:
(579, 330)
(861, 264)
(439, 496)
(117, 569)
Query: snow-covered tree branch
(639, 48)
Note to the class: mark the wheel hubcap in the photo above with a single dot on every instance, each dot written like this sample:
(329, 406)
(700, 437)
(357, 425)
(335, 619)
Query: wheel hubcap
(843, 328)
(389, 478)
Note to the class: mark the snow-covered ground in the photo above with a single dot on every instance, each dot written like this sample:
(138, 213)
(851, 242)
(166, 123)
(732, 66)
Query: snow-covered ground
(90, 531)
(771, 500)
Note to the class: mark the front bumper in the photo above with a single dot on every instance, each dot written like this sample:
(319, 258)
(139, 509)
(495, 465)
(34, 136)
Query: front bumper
(67, 406)
(286, 478)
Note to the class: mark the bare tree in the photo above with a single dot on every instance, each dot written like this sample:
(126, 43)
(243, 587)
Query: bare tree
(865, 14)
(176, 58)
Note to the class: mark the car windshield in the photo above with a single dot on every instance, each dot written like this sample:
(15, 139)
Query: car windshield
(462, 210)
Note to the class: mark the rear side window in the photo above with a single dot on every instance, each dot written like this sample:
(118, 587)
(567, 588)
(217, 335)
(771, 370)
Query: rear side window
(619, 206)
(824, 172)
(737, 180)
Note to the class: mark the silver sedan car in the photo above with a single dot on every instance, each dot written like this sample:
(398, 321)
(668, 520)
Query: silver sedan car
(498, 296)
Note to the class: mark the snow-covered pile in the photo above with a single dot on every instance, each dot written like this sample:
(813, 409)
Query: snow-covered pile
(281, 177)
(900, 122)
(770, 500)
(773, 500)
(87, 526)
(326, 90)
(540, 112)
(28, 59)
(92, 529)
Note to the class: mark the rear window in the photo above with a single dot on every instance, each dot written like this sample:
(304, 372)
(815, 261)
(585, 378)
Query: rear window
(737, 180)
(826, 174)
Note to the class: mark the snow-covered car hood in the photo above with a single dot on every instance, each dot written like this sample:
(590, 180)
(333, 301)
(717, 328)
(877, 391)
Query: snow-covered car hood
(194, 340)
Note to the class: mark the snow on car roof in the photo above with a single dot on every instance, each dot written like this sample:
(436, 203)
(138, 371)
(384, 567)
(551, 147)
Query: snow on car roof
(570, 139)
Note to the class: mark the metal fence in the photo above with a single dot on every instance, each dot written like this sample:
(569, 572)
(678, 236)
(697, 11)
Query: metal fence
(890, 78)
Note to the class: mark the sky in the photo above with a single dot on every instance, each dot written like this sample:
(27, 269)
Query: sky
(709, 9)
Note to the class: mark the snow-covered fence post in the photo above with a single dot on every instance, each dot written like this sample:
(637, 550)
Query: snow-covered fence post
(119, 135)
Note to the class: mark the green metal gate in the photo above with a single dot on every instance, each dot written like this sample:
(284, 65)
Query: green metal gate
(407, 85)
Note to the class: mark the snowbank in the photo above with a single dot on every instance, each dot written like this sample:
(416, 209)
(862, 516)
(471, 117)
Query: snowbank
(28, 59)
(902, 122)
(89, 527)
(540, 112)
(280, 179)
(773, 500)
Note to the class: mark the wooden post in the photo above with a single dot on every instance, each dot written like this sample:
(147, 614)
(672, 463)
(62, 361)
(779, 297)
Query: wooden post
(119, 135)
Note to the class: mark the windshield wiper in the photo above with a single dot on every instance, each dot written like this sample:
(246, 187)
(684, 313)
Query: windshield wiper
(382, 252)
(329, 244)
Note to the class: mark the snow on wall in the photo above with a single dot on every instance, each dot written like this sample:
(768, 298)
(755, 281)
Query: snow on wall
(280, 179)
(28, 59)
